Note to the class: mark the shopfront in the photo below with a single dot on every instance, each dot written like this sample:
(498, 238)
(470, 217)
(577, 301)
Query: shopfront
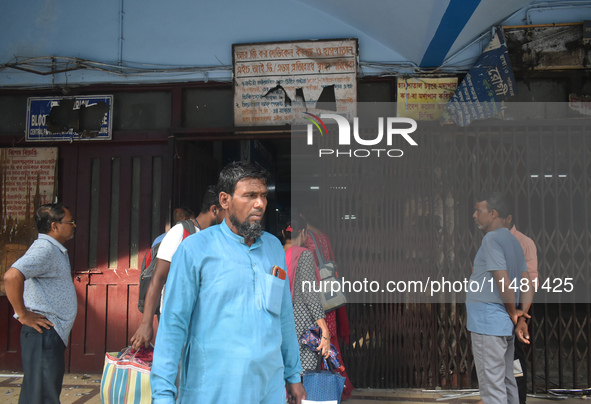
(168, 144)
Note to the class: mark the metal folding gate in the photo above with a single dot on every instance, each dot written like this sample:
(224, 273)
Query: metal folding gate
(545, 171)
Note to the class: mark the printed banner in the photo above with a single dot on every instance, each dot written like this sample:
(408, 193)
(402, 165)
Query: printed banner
(424, 99)
(488, 82)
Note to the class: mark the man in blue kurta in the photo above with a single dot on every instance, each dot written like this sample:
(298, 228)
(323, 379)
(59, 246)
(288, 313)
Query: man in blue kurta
(224, 306)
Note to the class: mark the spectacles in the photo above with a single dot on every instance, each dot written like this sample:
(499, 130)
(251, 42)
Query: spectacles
(73, 223)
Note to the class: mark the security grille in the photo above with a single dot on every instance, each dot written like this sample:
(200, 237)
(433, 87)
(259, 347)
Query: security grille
(414, 218)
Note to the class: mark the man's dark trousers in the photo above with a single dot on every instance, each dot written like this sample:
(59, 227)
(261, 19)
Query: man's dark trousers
(43, 366)
(521, 381)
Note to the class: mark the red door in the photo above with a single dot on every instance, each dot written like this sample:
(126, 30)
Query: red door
(117, 194)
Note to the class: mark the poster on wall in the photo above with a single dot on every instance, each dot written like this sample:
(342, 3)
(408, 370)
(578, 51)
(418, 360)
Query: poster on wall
(424, 99)
(28, 179)
(278, 83)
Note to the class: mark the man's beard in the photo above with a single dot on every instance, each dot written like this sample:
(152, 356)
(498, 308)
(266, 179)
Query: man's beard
(247, 229)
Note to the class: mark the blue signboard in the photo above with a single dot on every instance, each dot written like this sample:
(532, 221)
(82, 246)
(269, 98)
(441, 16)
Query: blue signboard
(87, 117)
(487, 84)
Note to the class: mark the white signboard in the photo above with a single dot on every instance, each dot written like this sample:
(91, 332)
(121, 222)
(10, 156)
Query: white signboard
(275, 83)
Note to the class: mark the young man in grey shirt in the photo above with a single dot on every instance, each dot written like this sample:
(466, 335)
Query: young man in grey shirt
(40, 289)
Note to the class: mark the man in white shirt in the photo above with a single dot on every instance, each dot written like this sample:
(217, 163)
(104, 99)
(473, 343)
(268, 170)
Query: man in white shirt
(211, 214)
(178, 215)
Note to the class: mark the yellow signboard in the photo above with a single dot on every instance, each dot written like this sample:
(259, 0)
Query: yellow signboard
(424, 99)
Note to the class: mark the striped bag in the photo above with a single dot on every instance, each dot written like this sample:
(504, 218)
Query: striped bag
(125, 380)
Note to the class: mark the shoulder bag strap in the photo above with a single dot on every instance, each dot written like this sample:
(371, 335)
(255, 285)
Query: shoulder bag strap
(190, 226)
(319, 253)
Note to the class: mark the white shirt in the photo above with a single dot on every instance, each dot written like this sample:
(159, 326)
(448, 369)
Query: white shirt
(171, 242)
(168, 247)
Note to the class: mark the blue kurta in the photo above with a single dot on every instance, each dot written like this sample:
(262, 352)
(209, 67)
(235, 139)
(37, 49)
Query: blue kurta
(235, 319)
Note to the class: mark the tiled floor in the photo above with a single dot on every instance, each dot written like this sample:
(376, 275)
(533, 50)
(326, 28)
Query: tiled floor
(79, 389)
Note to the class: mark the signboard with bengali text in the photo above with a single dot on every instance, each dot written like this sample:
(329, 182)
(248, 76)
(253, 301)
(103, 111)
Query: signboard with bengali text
(489, 82)
(28, 178)
(424, 99)
(274, 83)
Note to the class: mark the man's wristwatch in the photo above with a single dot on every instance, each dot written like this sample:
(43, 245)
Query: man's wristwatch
(16, 316)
